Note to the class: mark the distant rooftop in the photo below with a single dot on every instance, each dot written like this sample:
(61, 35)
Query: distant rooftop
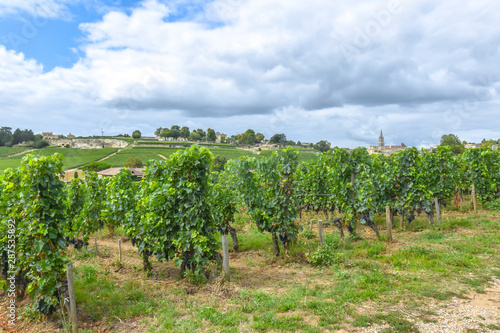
(139, 172)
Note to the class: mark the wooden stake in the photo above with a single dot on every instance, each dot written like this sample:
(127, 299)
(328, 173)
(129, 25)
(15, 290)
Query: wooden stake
(311, 225)
(388, 222)
(474, 202)
(461, 198)
(120, 249)
(320, 230)
(72, 301)
(438, 211)
(95, 243)
(225, 257)
(402, 220)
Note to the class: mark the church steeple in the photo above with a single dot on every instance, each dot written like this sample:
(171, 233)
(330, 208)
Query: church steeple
(381, 140)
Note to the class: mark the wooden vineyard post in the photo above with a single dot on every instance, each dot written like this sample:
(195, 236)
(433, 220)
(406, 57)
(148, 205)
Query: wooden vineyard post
(388, 222)
(474, 202)
(120, 249)
(320, 230)
(311, 225)
(95, 243)
(72, 301)
(225, 257)
(461, 199)
(402, 220)
(438, 211)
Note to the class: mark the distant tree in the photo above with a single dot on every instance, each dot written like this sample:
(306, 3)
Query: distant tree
(322, 146)
(16, 136)
(133, 162)
(20, 136)
(164, 134)
(136, 134)
(247, 138)
(75, 174)
(453, 142)
(218, 163)
(159, 130)
(299, 143)
(488, 143)
(194, 136)
(95, 166)
(185, 132)
(175, 127)
(174, 133)
(5, 136)
(211, 135)
(201, 133)
(278, 138)
(259, 137)
(290, 143)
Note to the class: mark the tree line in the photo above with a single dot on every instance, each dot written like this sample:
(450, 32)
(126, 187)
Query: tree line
(9, 138)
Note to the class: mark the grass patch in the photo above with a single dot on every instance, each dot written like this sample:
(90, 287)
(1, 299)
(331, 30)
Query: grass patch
(6, 151)
(73, 157)
(103, 298)
(289, 293)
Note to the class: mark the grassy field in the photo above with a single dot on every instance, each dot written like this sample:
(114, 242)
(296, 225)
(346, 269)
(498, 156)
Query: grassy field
(6, 151)
(151, 153)
(73, 157)
(79, 157)
(184, 144)
(361, 282)
(303, 157)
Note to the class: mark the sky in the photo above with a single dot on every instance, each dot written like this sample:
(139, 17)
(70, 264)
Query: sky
(315, 70)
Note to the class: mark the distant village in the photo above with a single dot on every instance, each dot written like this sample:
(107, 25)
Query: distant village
(72, 141)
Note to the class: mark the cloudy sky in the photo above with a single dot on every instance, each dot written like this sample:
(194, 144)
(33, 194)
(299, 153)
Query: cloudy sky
(317, 69)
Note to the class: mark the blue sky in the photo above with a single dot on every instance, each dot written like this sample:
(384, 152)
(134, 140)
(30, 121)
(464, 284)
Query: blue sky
(334, 70)
(54, 42)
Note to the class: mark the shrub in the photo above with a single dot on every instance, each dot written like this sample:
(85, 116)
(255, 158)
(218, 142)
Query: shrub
(493, 205)
(136, 134)
(328, 254)
(41, 144)
(218, 163)
(96, 166)
(133, 162)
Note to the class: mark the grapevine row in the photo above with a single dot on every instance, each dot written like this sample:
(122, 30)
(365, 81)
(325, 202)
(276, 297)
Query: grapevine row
(176, 210)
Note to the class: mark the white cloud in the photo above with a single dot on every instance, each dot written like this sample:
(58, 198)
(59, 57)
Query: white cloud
(36, 8)
(314, 70)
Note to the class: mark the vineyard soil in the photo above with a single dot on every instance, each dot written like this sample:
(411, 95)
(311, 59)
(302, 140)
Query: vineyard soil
(425, 275)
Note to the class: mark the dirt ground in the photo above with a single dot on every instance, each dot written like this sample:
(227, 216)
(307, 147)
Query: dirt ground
(251, 273)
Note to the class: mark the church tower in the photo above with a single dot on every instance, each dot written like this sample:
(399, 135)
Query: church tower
(381, 140)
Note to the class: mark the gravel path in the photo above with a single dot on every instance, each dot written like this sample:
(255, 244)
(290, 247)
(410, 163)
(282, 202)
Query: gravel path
(479, 313)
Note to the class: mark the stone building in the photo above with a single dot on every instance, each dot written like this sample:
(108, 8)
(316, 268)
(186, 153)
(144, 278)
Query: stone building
(220, 137)
(49, 136)
(381, 148)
